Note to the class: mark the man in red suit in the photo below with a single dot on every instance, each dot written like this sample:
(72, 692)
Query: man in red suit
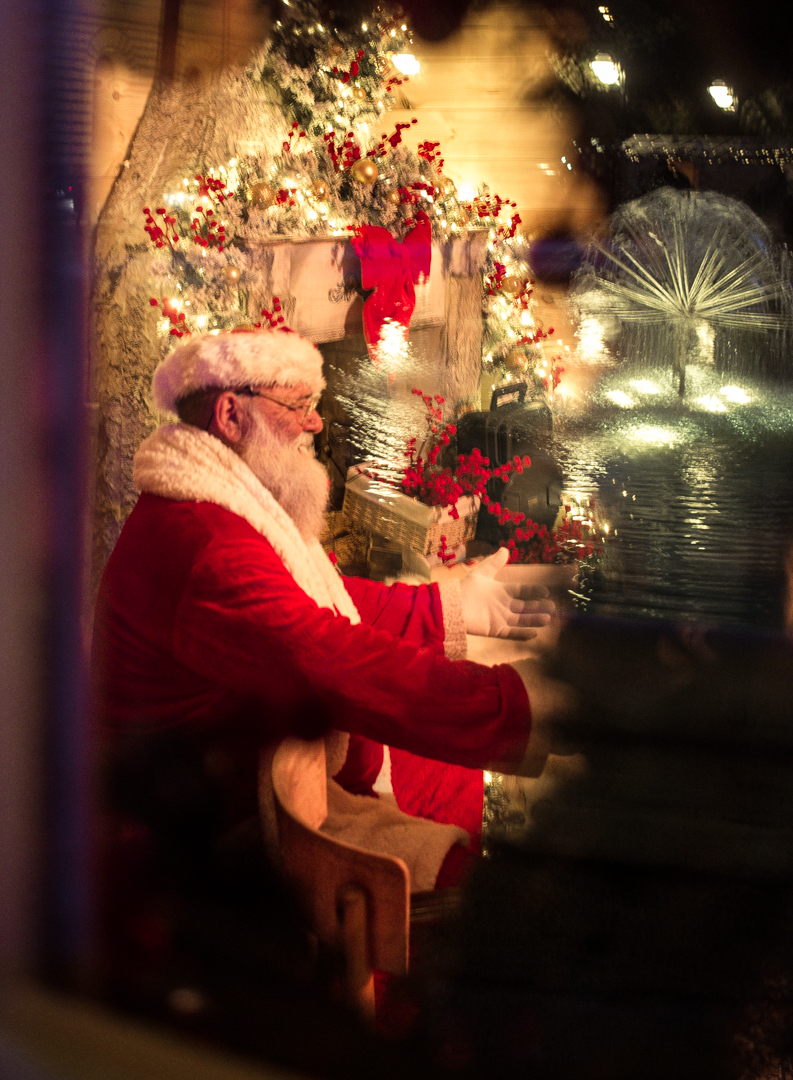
(220, 619)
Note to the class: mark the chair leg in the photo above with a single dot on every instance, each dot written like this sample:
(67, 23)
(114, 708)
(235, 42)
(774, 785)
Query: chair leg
(359, 979)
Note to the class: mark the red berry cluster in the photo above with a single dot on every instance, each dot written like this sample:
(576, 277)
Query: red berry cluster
(494, 280)
(206, 228)
(329, 138)
(177, 319)
(488, 205)
(213, 189)
(345, 76)
(394, 81)
(394, 139)
(430, 151)
(506, 232)
(420, 185)
(161, 236)
(344, 155)
(535, 336)
(209, 231)
(408, 196)
(293, 131)
(523, 295)
(274, 317)
(285, 197)
(444, 554)
(570, 541)
(550, 382)
(434, 485)
(421, 218)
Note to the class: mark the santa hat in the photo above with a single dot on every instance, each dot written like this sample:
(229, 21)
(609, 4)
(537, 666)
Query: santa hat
(231, 361)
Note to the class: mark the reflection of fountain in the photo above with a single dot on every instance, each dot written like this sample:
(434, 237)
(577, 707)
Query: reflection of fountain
(681, 264)
(697, 492)
(635, 842)
(370, 412)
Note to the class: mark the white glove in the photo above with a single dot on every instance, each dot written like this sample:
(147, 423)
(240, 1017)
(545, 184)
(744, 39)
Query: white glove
(492, 609)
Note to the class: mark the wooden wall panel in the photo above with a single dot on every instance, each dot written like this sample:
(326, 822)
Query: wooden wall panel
(474, 91)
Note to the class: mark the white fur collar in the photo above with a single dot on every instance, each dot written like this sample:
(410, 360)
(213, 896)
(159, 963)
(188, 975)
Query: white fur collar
(180, 462)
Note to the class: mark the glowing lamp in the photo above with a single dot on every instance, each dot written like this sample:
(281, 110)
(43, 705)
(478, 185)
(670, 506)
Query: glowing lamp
(606, 71)
(406, 63)
(722, 94)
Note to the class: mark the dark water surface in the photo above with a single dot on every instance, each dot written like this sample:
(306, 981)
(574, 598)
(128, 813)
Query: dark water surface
(698, 496)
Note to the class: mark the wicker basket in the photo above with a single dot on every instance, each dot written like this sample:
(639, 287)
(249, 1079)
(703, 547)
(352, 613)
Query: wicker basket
(375, 507)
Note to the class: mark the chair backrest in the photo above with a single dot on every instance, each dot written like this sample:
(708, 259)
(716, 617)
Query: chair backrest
(324, 869)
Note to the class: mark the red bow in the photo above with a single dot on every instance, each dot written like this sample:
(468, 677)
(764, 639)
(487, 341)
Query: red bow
(392, 269)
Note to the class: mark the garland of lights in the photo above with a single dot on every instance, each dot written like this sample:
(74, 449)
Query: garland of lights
(340, 166)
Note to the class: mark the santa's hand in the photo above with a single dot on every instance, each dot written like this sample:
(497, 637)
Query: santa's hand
(493, 609)
(554, 704)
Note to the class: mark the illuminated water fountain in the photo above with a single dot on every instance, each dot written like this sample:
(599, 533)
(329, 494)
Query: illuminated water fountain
(693, 475)
(697, 495)
(675, 808)
(681, 270)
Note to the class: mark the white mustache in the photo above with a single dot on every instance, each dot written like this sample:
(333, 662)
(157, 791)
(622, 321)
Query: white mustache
(304, 443)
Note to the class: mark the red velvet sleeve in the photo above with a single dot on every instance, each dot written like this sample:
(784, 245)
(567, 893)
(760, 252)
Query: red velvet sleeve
(412, 613)
(243, 621)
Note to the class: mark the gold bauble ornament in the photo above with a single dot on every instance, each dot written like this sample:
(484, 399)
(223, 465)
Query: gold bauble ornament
(516, 361)
(231, 274)
(364, 171)
(319, 189)
(463, 219)
(262, 195)
(359, 93)
(511, 284)
(446, 185)
(393, 197)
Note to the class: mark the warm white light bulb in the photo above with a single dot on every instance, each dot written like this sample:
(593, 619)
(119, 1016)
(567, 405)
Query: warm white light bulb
(406, 63)
(605, 69)
(735, 394)
(722, 94)
(712, 404)
(619, 397)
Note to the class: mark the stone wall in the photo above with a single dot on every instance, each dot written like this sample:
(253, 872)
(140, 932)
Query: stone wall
(182, 127)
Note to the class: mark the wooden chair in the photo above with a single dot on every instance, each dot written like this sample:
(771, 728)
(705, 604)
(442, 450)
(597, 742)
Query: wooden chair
(356, 901)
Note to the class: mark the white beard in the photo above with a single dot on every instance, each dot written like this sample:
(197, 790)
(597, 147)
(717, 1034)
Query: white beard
(290, 472)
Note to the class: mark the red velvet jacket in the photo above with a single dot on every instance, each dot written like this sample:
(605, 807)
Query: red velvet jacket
(198, 620)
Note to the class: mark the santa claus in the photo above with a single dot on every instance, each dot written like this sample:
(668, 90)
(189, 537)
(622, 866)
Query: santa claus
(221, 621)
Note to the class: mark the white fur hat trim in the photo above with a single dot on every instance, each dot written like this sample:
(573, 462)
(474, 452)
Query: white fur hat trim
(259, 358)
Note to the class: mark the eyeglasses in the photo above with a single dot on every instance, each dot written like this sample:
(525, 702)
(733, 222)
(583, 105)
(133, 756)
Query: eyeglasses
(302, 407)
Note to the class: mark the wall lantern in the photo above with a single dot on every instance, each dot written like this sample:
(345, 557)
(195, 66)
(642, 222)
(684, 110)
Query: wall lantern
(606, 71)
(722, 94)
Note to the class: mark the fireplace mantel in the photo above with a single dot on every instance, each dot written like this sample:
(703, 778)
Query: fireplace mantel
(318, 281)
